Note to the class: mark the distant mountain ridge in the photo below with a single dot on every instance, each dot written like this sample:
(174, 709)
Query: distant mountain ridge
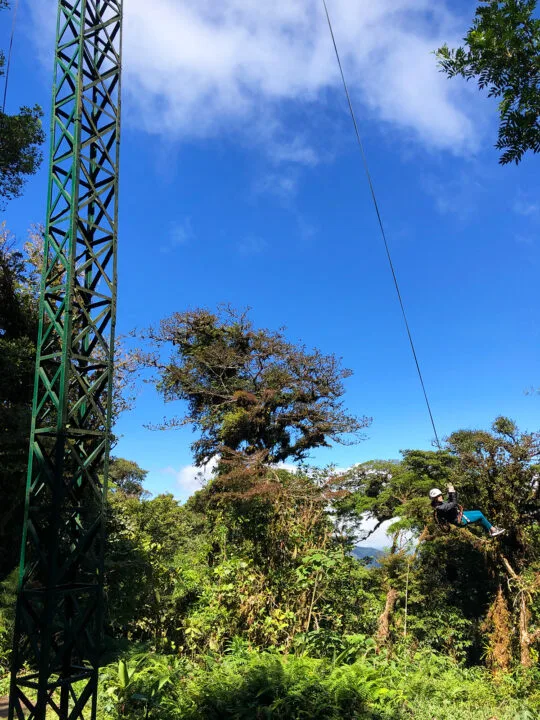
(362, 552)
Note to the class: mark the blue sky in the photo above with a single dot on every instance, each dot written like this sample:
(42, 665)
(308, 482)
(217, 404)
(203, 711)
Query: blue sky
(241, 182)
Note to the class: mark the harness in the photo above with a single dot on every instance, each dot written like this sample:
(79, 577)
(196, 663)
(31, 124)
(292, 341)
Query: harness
(444, 525)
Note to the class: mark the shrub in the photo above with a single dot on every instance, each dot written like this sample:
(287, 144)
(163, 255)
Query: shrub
(356, 685)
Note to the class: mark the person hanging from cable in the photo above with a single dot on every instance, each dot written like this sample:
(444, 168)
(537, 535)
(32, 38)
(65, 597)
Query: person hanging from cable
(450, 513)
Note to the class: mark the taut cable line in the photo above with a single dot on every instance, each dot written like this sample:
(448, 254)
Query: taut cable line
(9, 54)
(379, 218)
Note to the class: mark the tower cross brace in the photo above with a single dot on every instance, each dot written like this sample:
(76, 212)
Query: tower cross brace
(59, 611)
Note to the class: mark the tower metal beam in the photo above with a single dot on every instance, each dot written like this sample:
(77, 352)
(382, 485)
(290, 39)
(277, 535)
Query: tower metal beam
(60, 597)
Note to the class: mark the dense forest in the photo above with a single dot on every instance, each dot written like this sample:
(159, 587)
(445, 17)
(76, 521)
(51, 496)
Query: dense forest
(248, 600)
(251, 599)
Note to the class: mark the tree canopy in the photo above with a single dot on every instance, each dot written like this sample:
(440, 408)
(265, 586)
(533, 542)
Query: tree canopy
(501, 52)
(20, 155)
(249, 390)
(21, 136)
(127, 477)
(256, 573)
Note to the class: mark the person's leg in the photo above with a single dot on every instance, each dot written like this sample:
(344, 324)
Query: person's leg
(473, 516)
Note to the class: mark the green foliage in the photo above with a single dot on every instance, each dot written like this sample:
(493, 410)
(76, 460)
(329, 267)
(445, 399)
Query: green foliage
(450, 590)
(7, 619)
(265, 558)
(250, 390)
(278, 567)
(385, 490)
(338, 647)
(261, 567)
(454, 578)
(127, 477)
(498, 472)
(419, 685)
(18, 330)
(155, 567)
(253, 581)
(252, 686)
(502, 52)
(143, 685)
(21, 136)
(269, 686)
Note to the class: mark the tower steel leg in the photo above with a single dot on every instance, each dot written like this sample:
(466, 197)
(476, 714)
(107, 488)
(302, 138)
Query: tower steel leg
(60, 598)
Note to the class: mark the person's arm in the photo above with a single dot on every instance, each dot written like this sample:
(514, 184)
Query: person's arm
(452, 497)
(451, 503)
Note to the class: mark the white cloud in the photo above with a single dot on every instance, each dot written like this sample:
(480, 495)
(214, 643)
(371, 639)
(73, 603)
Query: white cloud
(252, 245)
(283, 185)
(306, 229)
(290, 467)
(379, 539)
(180, 233)
(201, 68)
(526, 206)
(190, 478)
(458, 194)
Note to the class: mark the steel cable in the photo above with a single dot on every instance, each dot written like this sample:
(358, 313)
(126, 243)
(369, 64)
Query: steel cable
(9, 54)
(379, 218)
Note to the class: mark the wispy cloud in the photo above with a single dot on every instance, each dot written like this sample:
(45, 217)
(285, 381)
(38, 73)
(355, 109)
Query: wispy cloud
(456, 195)
(180, 233)
(284, 184)
(200, 68)
(524, 239)
(252, 245)
(526, 206)
(306, 229)
(296, 150)
(189, 478)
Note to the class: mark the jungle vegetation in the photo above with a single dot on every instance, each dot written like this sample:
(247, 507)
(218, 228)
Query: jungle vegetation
(247, 600)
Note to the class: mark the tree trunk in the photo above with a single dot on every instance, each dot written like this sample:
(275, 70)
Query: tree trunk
(498, 627)
(526, 639)
(312, 603)
(383, 630)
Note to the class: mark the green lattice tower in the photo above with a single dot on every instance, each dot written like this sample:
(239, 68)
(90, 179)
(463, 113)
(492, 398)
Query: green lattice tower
(59, 605)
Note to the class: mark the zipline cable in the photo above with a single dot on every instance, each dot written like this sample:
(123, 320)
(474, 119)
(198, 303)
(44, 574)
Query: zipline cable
(9, 54)
(383, 233)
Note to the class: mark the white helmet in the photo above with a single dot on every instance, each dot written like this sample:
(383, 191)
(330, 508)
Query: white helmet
(435, 492)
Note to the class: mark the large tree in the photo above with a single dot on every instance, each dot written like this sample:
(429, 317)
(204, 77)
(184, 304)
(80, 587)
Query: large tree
(127, 477)
(249, 391)
(467, 577)
(500, 471)
(21, 136)
(501, 52)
